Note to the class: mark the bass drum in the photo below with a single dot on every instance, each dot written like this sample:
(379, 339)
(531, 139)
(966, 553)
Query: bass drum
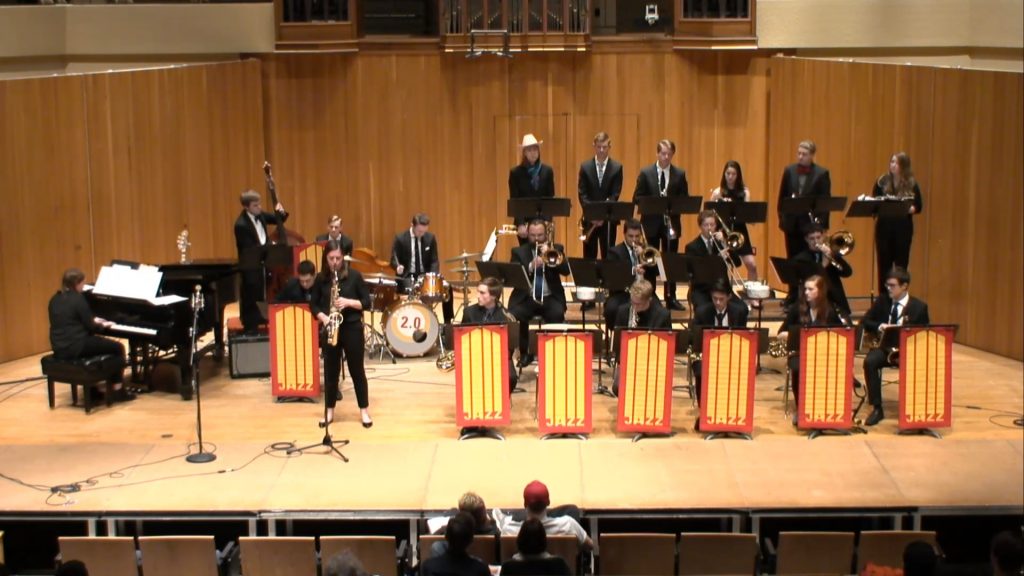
(411, 328)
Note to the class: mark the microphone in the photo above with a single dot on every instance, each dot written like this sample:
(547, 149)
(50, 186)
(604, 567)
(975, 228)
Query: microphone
(197, 298)
(419, 336)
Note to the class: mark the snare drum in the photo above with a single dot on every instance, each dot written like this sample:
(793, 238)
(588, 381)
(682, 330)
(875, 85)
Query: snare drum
(432, 288)
(383, 293)
(404, 321)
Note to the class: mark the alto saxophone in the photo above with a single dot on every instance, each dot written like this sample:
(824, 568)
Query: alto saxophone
(334, 318)
(632, 317)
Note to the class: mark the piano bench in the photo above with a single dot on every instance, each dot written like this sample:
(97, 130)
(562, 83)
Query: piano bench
(84, 372)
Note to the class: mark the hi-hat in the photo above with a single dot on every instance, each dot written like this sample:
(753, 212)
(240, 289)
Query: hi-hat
(463, 256)
(377, 276)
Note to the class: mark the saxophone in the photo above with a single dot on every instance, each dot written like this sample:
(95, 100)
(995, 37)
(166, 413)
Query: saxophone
(334, 319)
(632, 317)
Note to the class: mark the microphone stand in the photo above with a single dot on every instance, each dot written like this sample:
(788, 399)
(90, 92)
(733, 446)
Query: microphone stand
(198, 304)
(327, 441)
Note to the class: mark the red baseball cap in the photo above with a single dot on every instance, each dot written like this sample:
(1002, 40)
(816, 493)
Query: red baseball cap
(536, 494)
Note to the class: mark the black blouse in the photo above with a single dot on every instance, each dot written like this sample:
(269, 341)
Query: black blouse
(351, 286)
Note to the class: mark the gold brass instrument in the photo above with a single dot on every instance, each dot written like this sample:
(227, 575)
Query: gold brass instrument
(633, 320)
(779, 348)
(586, 229)
(506, 230)
(334, 319)
(841, 243)
(446, 359)
(668, 225)
(646, 254)
(546, 250)
(733, 241)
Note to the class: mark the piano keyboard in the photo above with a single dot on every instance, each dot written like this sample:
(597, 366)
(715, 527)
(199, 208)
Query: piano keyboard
(134, 329)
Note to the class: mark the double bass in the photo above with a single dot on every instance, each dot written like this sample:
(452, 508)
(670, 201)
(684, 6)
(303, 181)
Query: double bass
(279, 270)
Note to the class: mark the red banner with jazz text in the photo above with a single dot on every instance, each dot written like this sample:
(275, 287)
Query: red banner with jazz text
(926, 377)
(481, 376)
(312, 251)
(826, 378)
(645, 381)
(564, 382)
(294, 346)
(728, 368)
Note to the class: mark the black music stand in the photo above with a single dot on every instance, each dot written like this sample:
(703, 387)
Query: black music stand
(611, 212)
(544, 208)
(875, 209)
(740, 212)
(610, 276)
(668, 206)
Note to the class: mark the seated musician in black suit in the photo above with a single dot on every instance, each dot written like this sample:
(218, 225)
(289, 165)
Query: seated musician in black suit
(414, 253)
(710, 242)
(546, 297)
(299, 290)
(73, 327)
(628, 251)
(829, 263)
(897, 308)
(723, 312)
(488, 310)
(813, 309)
(334, 232)
(642, 312)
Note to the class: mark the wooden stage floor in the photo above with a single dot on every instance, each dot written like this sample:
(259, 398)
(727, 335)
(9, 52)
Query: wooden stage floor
(411, 460)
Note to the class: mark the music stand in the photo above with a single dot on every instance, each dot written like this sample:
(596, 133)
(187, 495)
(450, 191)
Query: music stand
(611, 212)
(875, 209)
(544, 208)
(669, 206)
(610, 276)
(740, 212)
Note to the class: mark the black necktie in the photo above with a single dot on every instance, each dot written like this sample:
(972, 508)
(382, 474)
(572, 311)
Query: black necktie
(721, 318)
(419, 257)
(661, 181)
(711, 247)
(817, 257)
(894, 316)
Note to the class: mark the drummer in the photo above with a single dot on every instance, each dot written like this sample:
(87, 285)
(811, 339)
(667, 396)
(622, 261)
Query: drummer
(413, 254)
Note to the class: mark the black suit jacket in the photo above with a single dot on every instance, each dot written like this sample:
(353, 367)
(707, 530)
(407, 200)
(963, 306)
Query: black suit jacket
(647, 185)
(520, 185)
(793, 319)
(475, 314)
(293, 293)
(71, 322)
(346, 242)
(735, 311)
(835, 275)
(657, 316)
(620, 253)
(523, 255)
(697, 247)
(610, 187)
(246, 236)
(915, 313)
(817, 183)
(401, 252)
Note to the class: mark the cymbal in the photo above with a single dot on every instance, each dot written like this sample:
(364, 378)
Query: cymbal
(462, 256)
(351, 259)
(463, 270)
(377, 276)
(461, 283)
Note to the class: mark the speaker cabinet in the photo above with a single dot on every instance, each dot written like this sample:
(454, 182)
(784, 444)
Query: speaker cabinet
(250, 356)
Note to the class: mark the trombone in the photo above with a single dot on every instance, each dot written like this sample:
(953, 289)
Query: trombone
(733, 241)
(646, 255)
(547, 252)
(841, 243)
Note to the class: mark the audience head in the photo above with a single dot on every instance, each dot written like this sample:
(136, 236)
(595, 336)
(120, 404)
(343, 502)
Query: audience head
(72, 568)
(535, 496)
(344, 564)
(919, 559)
(532, 538)
(459, 533)
(72, 279)
(473, 504)
(1007, 554)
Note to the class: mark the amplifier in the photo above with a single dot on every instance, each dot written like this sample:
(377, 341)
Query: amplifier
(250, 355)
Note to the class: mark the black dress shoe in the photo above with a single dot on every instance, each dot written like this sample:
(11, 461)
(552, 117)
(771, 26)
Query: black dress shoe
(588, 306)
(696, 424)
(525, 360)
(368, 423)
(876, 416)
(675, 305)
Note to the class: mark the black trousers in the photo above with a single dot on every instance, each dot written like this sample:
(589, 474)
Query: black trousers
(667, 246)
(598, 240)
(795, 242)
(552, 310)
(873, 364)
(794, 373)
(350, 339)
(251, 292)
(893, 247)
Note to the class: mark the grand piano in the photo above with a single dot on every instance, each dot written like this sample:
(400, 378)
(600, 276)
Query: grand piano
(161, 330)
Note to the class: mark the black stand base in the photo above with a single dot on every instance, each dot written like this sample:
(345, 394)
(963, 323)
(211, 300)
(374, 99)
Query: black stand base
(331, 444)
(717, 435)
(640, 436)
(564, 435)
(201, 457)
(604, 390)
(480, 432)
(921, 432)
(833, 431)
(292, 399)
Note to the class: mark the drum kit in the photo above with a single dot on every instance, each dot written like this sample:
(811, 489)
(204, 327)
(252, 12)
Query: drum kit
(409, 327)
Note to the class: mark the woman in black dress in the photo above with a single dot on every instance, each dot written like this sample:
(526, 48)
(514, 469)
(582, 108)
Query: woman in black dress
(893, 234)
(814, 309)
(732, 189)
(531, 178)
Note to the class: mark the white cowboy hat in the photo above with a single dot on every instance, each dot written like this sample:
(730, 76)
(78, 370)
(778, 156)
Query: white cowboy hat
(530, 140)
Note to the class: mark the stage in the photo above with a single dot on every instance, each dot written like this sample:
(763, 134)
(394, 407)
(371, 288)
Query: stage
(411, 463)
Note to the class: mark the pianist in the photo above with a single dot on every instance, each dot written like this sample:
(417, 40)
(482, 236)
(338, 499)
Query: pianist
(73, 327)
(298, 290)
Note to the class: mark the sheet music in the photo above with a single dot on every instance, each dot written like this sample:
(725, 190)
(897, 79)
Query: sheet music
(165, 300)
(128, 283)
(488, 250)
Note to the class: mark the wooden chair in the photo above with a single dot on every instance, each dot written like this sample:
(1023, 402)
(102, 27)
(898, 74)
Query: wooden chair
(376, 553)
(483, 547)
(176, 555)
(652, 554)
(110, 556)
(707, 554)
(562, 545)
(814, 553)
(885, 547)
(278, 556)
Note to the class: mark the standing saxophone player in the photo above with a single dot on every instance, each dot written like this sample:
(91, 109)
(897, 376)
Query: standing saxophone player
(546, 296)
(642, 313)
(339, 289)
